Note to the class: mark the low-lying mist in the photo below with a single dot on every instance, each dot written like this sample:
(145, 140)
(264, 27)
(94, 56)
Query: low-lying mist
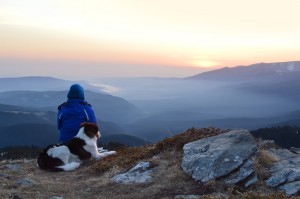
(202, 98)
(154, 108)
(171, 106)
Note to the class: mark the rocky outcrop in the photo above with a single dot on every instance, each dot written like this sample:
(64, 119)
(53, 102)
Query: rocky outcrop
(285, 172)
(141, 173)
(228, 158)
(225, 156)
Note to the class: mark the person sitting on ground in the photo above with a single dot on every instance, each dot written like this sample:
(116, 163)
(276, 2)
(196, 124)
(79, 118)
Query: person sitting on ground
(73, 112)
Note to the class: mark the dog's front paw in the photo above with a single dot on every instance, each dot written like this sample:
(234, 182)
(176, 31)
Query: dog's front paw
(104, 154)
(111, 152)
(108, 153)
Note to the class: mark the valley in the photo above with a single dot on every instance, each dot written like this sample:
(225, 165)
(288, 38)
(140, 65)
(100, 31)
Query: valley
(147, 110)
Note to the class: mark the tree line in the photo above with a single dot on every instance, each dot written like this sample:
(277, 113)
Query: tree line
(284, 136)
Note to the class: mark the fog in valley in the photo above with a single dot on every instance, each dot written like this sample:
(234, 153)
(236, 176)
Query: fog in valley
(150, 109)
(203, 99)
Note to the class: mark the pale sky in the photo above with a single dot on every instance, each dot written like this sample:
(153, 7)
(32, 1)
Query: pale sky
(167, 38)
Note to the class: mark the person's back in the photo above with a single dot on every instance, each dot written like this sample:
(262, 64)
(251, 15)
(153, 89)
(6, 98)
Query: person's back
(73, 112)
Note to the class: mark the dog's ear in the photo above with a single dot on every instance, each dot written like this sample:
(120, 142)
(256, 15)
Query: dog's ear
(83, 124)
(90, 129)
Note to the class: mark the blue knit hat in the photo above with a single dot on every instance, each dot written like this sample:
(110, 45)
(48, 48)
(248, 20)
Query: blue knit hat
(76, 92)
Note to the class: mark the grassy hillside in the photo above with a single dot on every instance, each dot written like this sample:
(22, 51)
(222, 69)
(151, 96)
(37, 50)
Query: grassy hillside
(106, 107)
(23, 126)
(127, 140)
(93, 179)
(28, 134)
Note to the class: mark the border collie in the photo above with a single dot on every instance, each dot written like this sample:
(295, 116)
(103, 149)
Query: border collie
(68, 156)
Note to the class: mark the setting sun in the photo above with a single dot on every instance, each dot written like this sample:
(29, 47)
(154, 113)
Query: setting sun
(181, 34)
(204, 63)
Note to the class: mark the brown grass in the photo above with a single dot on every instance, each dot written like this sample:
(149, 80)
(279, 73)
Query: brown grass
(262, 164)
(127, 157)
(93, 179)
(266, 158)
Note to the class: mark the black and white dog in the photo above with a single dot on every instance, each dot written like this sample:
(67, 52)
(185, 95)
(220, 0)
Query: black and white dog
(68, 156)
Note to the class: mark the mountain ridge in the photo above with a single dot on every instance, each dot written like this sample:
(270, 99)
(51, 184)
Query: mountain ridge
(106, 106)
(239, 72)
(42, 83)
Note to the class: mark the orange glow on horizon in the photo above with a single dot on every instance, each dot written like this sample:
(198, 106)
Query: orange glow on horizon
(193, 34)
(204, 63)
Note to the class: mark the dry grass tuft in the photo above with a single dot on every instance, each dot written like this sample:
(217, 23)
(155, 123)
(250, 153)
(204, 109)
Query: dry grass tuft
(266, 158)
(256, 195)
(262, 164)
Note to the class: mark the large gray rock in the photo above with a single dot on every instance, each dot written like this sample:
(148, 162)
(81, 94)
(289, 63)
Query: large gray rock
(285, 172)
(217, 156)
(141, 173)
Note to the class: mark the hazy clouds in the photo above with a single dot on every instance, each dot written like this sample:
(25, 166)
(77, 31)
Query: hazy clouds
(13, 67)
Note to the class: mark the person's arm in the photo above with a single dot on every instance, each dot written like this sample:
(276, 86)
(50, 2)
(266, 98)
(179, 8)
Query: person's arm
(90, 114)
(59, 119)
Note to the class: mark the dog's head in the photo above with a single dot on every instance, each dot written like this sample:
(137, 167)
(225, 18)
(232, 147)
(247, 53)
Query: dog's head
(91, 130)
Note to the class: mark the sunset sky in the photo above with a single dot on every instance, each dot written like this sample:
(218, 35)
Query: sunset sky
(167, 38)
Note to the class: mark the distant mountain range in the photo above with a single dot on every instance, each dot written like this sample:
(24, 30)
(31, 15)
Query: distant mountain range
(29, 117)
(261, 71)
(124, 139)
(157, 129)
(278, 79)
(36, 83)
(255, 96)
(28, 134)
(27, 127)
(106, 107)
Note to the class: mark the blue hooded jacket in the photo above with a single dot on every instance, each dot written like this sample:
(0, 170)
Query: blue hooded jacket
(73, 112)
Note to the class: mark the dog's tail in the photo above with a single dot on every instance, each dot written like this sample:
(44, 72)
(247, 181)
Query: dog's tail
(69, 167)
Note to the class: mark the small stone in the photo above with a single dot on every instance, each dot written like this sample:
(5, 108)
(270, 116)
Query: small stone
(244, 171)
(252, 181)
(291, 188)
(4, 175)
(26, 182)
(138, 174)
(285, 170)
(14, 196)
(294, 176)
(187, 197)
(278, 178)
(266, 144)
(13, 167)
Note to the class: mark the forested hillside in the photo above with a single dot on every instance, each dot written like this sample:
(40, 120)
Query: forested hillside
(284, 136)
